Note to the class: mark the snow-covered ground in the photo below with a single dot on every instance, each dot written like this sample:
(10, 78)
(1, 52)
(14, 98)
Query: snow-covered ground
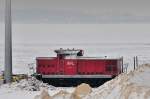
(24, 54)
(127, 86)
(28, 89)
(134, 85)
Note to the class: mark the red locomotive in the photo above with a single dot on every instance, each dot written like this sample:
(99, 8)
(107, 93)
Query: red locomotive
(71, 68)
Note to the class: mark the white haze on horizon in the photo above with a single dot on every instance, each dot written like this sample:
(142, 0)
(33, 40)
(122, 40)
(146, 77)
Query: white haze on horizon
(78, 33)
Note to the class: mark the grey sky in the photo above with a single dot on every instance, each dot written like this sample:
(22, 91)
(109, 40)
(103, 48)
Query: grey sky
(79, 11)
(79, 33)
(78, 21)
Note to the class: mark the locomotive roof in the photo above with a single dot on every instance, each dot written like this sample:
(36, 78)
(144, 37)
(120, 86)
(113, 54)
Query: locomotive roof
(67, 51)
(88, 58)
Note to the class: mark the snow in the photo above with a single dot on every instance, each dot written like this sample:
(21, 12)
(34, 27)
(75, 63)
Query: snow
(132, 85)
(24, 54)
(11, 92)
(17, 95)
(28, 89)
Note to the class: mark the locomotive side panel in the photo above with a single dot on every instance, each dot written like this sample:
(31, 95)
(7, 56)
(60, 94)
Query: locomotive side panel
(100, 67)
(112, 67)
(70, 67)
(46, 66)
(53, 66)
(88, 66)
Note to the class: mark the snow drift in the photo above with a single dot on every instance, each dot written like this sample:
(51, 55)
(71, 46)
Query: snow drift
(30, 84)
(134, 85)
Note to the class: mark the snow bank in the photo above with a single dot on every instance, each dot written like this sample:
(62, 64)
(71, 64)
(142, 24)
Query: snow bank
(43, 95)
(62, 95)
(134, 85)
(24, 89)
(30, 84)
(79, 92)
(82, 90)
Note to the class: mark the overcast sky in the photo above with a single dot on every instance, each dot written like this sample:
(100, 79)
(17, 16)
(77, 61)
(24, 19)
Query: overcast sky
(66, 20)
(79, 11)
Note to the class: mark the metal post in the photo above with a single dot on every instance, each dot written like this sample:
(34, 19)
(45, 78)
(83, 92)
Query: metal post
(134, 62)
(137, 62)
(122, 64)
(8, 43)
